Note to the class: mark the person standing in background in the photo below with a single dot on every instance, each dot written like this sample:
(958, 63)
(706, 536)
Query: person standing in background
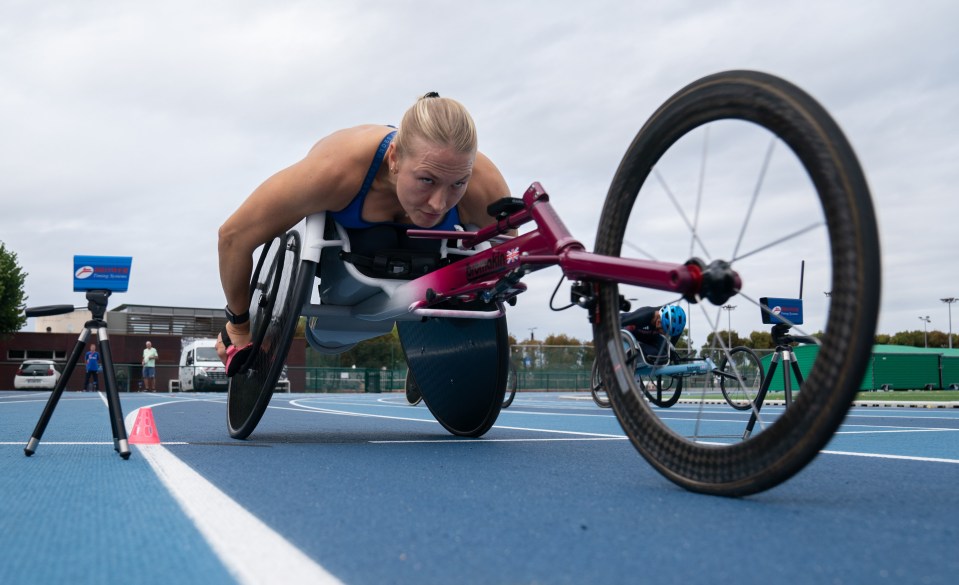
(150, 357)
(92, 360)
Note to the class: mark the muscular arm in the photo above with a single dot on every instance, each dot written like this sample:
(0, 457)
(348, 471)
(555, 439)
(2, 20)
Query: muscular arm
(326, 179)
(642, 320)
(275, 206)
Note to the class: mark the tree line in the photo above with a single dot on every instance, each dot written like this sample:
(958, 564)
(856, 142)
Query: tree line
(764, 340)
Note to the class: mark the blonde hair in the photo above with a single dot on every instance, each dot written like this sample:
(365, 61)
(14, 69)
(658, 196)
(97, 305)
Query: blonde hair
(437, 120)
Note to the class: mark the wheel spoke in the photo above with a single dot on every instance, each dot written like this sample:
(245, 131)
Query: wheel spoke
(682, 215)
(699, 191)
(644, 253)
(782, 240)
(755, 197)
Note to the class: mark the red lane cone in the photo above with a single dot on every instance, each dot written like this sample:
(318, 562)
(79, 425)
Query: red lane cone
(144, 431)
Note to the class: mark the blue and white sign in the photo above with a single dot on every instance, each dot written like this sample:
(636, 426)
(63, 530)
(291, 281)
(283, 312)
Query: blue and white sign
(787, 311)
(101, 273)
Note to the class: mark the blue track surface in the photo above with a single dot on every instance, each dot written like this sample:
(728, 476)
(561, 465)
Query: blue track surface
(366, 489)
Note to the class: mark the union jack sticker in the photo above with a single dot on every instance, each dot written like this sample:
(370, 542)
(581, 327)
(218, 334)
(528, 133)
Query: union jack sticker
(512, 255)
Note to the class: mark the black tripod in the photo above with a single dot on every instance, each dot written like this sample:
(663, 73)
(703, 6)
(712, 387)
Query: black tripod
(784, 352)
(97, 304)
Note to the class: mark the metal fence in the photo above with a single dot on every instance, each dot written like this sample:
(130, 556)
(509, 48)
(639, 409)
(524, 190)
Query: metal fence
(373, 380)
(539, 368)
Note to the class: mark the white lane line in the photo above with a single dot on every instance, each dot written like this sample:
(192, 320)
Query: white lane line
(85, 443)
(387, 403)
(581, 434)
(252, 551)
(880, 432)
(31, 396)
(908, 415)
(45, 400)
(598, 436)
(306, 408)
(885, 456)
(579, 414)
(486, 440)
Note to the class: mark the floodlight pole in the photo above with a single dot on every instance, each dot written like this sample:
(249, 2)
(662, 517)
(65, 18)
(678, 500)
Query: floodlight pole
(949, 301)
(729, 321)
(925, 331)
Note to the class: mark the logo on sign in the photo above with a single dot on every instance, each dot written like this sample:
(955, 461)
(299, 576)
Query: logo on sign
(101, 273)
(777, 311)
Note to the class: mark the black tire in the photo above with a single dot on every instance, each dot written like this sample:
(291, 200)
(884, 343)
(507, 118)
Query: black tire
(511, 384)
(844, 244)
(460, 366)
(740, 374)
(280, 286)
(413, 394)
(663, 391)
(597, 387)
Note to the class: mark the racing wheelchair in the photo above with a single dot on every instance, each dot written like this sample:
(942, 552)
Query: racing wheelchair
(752, 168)
(661, 371)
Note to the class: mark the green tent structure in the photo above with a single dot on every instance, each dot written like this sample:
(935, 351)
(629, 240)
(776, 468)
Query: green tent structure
(892, 367)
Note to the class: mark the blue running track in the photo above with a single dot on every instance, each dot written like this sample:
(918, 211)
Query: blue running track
(365, 489)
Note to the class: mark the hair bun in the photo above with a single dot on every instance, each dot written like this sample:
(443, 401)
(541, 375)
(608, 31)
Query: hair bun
(432, 94)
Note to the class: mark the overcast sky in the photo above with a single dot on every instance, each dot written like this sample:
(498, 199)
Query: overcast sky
(135, 128)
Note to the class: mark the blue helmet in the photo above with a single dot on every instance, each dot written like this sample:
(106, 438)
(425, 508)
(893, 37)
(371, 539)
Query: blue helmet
(672, 320)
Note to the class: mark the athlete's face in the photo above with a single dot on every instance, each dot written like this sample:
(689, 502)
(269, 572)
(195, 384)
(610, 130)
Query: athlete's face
(430, 180)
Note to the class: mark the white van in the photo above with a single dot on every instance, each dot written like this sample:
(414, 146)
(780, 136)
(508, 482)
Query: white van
(201, 369)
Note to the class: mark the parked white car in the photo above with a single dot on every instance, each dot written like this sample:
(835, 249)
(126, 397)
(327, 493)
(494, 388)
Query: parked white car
(39, 374)
(201, 369)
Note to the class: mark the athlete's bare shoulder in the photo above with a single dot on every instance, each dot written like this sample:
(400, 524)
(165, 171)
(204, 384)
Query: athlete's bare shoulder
(337, 163)
(355, 144)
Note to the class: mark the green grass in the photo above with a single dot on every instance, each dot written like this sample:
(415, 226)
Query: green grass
(911, 395)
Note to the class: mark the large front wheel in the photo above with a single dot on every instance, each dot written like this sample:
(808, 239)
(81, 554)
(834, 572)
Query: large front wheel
(280, 286)
(744, 171)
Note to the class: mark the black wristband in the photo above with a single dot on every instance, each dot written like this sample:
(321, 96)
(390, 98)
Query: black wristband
(236, 319)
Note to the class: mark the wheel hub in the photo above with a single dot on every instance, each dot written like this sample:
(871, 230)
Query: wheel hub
(719, 282)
